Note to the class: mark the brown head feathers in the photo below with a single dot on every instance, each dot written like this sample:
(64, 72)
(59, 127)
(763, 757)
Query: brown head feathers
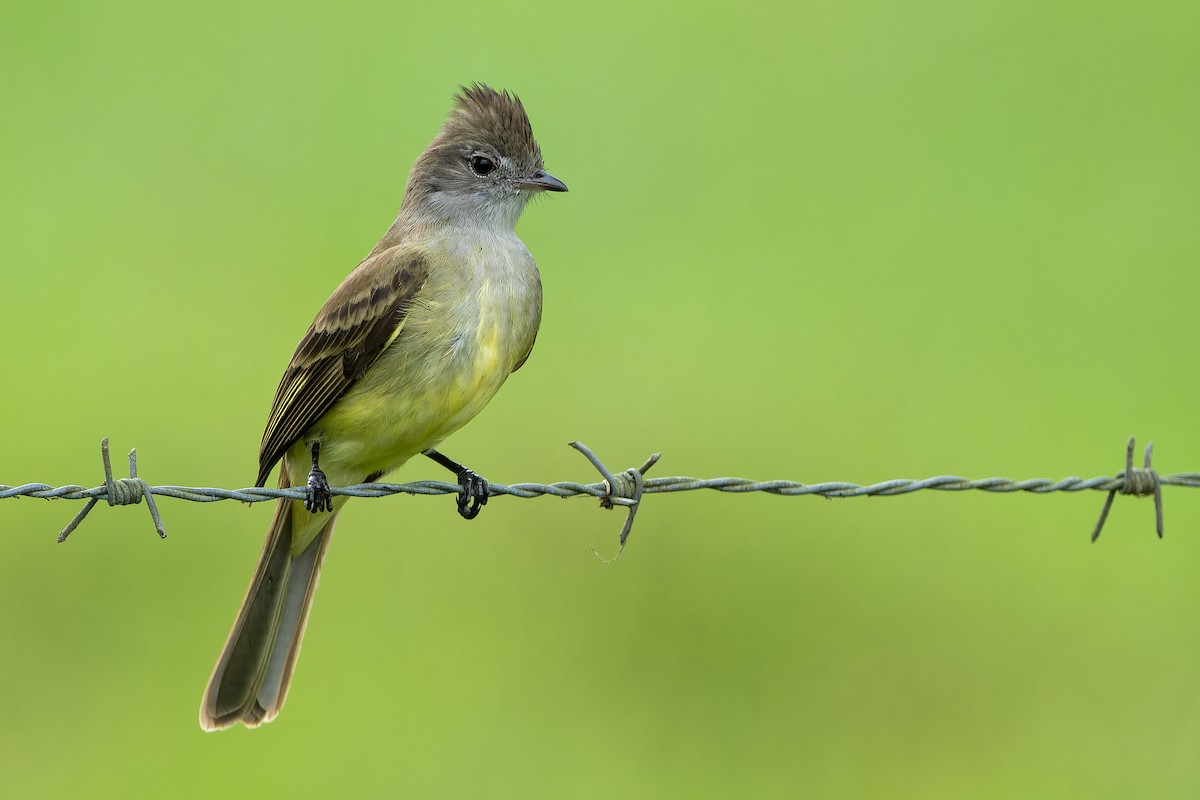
(496, 117)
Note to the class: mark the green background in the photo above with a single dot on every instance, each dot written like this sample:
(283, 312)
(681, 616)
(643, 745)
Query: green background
(817, 241)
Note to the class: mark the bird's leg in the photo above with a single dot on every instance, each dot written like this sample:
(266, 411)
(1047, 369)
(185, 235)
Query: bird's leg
(474, 492)
(317, 497)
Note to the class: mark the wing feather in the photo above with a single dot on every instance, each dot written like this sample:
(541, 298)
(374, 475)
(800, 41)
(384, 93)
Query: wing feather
(355, 325)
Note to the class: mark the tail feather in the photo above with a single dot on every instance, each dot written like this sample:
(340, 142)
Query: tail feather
(251, 679)
(297, 602)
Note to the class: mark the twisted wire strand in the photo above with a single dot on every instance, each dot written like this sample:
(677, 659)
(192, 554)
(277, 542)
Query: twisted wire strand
(942, 483)
(625, 489)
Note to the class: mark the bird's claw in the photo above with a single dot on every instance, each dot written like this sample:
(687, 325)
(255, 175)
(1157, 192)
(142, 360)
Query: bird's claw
(474, 494)
(317, 496)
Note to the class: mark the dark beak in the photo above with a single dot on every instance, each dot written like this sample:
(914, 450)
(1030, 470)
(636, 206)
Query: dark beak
(542, 180)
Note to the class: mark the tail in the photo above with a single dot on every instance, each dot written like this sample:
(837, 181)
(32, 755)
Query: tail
(251, 679)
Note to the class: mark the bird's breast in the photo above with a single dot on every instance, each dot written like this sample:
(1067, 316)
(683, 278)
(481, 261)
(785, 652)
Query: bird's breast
(468, 328)
(483, 309)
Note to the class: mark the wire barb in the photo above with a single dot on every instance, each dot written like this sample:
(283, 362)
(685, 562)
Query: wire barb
(624, 489)
(1143, 482)
(118, 492)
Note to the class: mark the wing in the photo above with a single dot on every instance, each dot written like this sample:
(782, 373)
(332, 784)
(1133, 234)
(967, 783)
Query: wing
(355, 325)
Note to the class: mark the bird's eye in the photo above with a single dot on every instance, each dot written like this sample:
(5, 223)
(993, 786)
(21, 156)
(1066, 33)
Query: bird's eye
(482, 165)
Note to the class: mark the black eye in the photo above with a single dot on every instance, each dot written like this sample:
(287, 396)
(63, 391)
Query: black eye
(482, 165)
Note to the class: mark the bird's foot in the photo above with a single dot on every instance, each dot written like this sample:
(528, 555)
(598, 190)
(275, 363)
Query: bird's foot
(317, 496)
(474, 493)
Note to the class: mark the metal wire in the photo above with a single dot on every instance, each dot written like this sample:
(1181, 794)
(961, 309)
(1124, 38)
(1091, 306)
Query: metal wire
(625, 489)
(942, 483)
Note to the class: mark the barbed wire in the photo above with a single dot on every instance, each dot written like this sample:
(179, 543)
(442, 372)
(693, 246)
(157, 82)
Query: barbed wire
(625, 489)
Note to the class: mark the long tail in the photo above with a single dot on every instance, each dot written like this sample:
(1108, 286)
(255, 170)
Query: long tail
(251, 678)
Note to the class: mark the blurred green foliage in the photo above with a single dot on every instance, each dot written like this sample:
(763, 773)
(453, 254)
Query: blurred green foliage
(820, 241)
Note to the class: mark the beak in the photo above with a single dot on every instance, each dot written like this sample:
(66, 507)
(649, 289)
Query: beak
(541, 180)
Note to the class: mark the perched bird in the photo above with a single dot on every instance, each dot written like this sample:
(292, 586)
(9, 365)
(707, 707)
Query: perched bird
(412, 345)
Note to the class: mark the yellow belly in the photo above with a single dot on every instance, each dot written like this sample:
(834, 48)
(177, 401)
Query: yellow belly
(404, 407)
(448, 362)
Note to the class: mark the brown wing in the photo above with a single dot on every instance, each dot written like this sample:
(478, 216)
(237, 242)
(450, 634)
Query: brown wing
(354, 326)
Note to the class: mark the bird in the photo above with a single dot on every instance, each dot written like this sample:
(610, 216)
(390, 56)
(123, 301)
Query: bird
(412, 345)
